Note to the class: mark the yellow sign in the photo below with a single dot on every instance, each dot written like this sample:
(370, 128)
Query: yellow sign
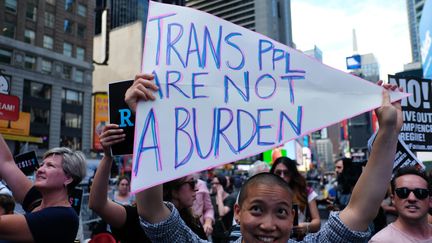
(100, 118)
(19, 127)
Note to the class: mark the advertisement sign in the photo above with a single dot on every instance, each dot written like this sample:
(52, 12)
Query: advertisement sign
(9, 107)
(100, 118)
(425, 33)
(20, 127)
(416, 131)
(27, 162)
(120, 114)
(353, 62)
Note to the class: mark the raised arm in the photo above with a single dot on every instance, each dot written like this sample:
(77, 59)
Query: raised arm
(149, 202)
(372, 184)
(114, 214)
(9, 171)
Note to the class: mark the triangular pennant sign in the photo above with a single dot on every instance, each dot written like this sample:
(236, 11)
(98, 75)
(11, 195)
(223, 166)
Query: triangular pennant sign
(227, 93)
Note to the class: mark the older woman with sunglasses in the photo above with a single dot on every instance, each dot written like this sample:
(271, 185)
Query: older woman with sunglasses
(124, 219)
(51, 219)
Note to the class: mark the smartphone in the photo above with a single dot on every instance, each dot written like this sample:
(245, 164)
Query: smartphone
(295, 207)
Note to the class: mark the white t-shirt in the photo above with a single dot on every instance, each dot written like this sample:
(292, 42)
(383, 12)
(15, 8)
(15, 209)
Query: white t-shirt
(395, 235)
(312, 195)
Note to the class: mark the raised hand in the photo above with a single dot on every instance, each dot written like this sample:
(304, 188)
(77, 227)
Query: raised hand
(141, 89)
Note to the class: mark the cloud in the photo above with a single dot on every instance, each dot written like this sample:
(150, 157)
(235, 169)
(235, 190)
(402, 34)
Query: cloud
(381, 28)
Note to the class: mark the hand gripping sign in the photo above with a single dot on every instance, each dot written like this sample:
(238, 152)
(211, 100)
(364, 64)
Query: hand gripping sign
(227, 93)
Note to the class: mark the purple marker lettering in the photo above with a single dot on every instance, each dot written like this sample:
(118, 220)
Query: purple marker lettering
(171, 43)
(236, 47)
(241, 146)
(273, 81)
(180, 128)
(262, 127)
(159, 36)
(296, 127)
(244, 94)
(196, 85)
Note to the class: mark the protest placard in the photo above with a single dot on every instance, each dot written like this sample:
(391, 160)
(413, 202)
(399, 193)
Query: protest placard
(120, 114)
(417, 114)
(27, 162)
(227, 93)
(404, 157)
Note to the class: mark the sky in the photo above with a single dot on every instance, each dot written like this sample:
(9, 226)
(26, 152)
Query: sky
(381, 27)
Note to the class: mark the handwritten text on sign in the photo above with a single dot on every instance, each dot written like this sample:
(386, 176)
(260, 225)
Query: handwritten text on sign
(226, 93)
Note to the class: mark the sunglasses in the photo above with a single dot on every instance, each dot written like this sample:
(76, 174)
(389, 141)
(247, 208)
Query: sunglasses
(192, 183)
(420, 193)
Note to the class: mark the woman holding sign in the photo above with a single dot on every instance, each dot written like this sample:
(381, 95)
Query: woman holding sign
(52, 219)
(124, 219)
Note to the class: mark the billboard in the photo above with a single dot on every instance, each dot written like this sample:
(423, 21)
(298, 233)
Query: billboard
(425, 29)
(20, 127)
(353, 62)
(9, 107)
(416, 131)
(100, 118)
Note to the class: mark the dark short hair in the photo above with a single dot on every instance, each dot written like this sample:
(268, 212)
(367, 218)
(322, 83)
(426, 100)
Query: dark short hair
(122, 178)
(222, 180)
(264, 178)
(410, 170)
(7, 202)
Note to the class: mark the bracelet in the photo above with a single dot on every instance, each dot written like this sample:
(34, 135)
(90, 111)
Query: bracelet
(307, 228)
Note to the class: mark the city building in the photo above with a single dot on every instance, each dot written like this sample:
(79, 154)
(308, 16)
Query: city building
(270, 18)
(414, 10)
(324, 148)
(46, 53)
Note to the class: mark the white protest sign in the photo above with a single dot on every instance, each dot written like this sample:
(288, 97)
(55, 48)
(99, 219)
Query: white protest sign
(227, 93)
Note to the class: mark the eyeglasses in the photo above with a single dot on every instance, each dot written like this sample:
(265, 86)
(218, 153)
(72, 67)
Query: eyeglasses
(192, 183)
(420, 193)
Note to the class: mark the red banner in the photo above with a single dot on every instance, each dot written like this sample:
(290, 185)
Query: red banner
(9, 107)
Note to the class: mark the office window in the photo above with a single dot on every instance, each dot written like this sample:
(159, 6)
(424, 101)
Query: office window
(37, 90)
(9, 29)
(82, 10)
(52, 2)
(39, 115)
(30, 62)
(69, 5)
(68, 26)
(11, 5)
(67, 49)
(72, 120)
(29, 36)
(31, 12)
(46, 66)
(67, 72)
(70, 142)
(72, 97)
(48, 42)
(49, 20)
(5, 56)
(81, 30)
(80, 53)
(79, 76)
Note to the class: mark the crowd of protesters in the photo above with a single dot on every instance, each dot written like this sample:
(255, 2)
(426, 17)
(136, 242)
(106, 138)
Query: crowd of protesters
(265, 204)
